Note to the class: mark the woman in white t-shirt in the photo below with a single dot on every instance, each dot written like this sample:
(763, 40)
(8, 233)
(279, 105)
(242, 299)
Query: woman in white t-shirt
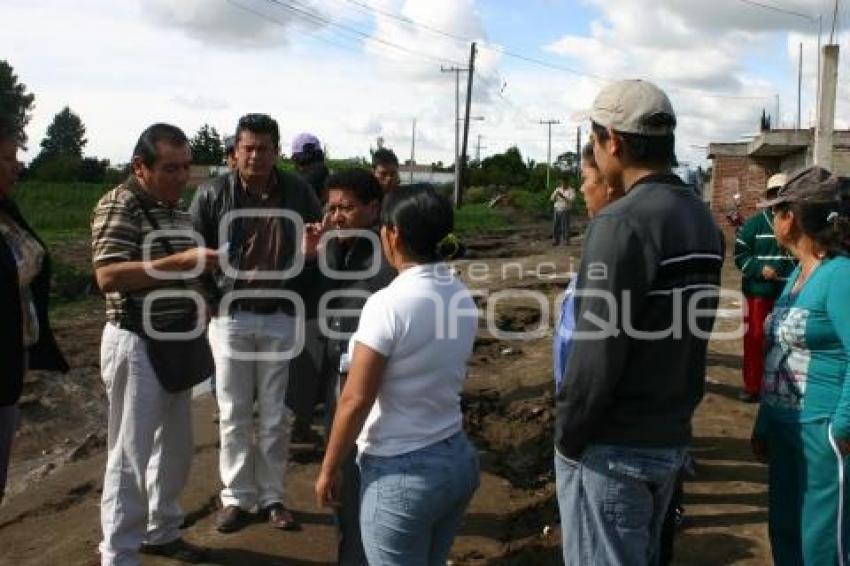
(401, 402)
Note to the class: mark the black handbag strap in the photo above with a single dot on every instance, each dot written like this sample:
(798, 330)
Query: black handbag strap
(155, 225)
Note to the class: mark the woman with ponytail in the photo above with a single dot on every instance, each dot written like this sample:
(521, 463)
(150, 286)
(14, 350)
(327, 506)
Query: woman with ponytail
(803, 427)
(401, 401)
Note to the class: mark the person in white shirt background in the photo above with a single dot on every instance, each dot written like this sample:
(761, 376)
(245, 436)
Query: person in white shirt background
(562, 200)
(401, 401)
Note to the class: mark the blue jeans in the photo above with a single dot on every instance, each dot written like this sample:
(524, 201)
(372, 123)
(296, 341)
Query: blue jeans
(613, 501)
(411, 505)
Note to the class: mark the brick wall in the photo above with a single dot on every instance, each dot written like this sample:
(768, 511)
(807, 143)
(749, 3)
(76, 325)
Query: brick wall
(738, 175)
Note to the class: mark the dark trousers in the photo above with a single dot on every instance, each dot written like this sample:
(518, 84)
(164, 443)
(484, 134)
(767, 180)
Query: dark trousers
(561, 227)
(347, 516)
(671, 523)
(306, 386)
(8, 426)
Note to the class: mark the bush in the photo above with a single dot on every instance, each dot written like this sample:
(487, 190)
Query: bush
(56, 169)
(534, 203)
(480, 195)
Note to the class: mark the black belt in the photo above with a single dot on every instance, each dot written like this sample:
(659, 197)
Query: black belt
(261, 308)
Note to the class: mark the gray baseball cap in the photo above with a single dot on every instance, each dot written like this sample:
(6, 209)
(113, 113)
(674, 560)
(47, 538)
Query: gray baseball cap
(634, 107)
(812, 184)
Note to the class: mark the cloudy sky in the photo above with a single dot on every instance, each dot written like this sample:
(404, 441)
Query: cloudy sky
(353, 70)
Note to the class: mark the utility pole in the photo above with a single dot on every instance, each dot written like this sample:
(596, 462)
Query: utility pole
(457, 71)
(549, 124)
(412, 150)
(824, 144)
(470, 73)
(478, 148)
(778, 119)
(820, 32)
(799, 84)
(578, 154)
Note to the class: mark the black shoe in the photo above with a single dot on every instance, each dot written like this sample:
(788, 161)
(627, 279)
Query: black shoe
(749, 397)
(177, 549)
(303, 433)
(280, 517)
(231, 519)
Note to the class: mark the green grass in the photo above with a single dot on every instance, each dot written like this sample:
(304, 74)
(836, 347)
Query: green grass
(58, 211)
(473, 218)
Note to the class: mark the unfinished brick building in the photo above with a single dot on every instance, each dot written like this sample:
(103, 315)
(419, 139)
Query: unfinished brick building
(743, 167)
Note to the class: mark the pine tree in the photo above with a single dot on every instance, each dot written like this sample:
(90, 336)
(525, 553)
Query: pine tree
(15, 101)
(207, 147)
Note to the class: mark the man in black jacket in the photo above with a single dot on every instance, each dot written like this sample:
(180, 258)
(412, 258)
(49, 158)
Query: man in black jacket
(646, 297)
(256, 215)
(355, 267)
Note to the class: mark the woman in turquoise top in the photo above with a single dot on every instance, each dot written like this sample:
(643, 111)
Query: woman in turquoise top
(803, 427)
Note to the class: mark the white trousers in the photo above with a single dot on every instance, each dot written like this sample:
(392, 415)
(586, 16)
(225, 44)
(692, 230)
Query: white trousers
(250, 362)
(150, 451)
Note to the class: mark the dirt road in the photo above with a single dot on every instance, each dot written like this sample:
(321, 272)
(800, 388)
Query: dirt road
(512, 520)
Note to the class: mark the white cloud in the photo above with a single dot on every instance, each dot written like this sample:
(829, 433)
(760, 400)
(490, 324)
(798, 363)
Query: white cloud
(699, 52)
(208, 61)
(241, 23)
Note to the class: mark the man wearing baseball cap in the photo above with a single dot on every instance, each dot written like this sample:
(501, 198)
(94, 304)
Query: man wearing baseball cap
(637, 369)
(309, 159)
(765, 266)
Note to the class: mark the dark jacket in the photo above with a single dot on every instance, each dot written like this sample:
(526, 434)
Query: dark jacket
(644, 255)
(359, 256)
(44, 354)
(215, 199)
(316, 174)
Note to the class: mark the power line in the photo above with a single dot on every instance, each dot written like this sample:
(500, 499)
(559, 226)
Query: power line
(374, 10)
(259, 14)
(305, 13)
(778, 9)
(541, 62)
(492, 47)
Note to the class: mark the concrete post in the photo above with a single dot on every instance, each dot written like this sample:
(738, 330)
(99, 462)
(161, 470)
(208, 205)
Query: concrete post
(826, 115)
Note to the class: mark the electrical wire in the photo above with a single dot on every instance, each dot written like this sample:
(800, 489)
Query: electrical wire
(540, 62)
(306, 13)
(778, 9)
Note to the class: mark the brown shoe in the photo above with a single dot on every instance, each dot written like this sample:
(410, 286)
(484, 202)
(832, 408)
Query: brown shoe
(231, 519)
(179, 550)
(280, 517)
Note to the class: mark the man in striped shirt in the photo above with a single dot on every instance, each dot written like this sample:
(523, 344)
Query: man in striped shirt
(150, 429)
(764, 266)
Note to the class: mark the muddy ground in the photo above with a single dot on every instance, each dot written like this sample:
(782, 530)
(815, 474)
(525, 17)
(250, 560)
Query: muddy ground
(51, 513)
